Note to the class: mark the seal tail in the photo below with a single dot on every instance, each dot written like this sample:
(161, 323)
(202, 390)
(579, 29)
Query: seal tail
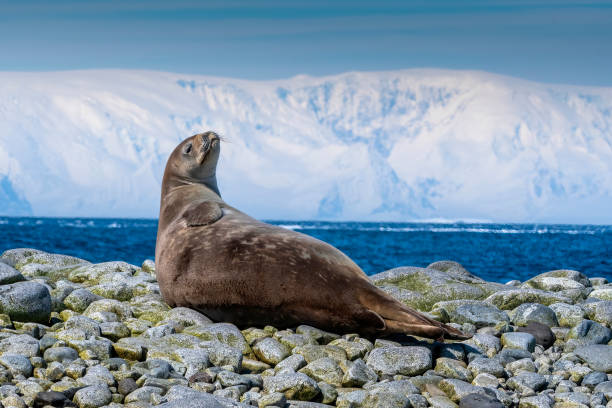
(400, 319)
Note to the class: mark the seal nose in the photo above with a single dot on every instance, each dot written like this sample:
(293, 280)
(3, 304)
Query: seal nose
(208, 138)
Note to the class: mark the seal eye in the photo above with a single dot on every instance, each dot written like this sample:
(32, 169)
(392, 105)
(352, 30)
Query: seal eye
(188, 148)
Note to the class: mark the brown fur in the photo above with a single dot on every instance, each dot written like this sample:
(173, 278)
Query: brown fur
(218, 260)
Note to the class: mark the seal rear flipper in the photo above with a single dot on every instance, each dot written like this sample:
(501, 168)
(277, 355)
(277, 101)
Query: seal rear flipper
(204, 213)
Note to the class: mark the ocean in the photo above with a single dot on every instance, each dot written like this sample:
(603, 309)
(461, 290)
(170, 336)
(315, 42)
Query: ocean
(495, 252)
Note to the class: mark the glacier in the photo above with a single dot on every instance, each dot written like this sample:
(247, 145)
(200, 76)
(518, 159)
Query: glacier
(407, 145)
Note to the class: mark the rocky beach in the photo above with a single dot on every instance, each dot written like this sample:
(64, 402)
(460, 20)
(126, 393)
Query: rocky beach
(80, 334)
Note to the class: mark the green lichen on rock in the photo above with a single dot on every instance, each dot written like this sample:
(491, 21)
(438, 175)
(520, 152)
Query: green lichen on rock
(421, 288)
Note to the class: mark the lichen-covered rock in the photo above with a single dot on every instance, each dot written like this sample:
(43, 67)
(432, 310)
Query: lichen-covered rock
(22, 344)
(534, 312)
(528, 380)
(512, 298)
(92, 274)
(357, 373)
(324, 369)
(434, 286)
(221, 354)
(457, 389)
(523, 341)
(601, 293)
(451, 368)
(93, 396)
(600, 312)
(475, 312)
(293, 385)
(16, 364)
(488, 343)
(270, 350)
(225, 333)
(567, 315)
(122, 310)
(187, 317)
(62, 355)
(8, 274)
(291, 364)
(410, 360)
(320, 336)
(483, 365)
(354, 349)
(26, 301)
(587, 332)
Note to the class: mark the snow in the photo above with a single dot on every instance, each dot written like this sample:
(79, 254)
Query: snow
(398, 145)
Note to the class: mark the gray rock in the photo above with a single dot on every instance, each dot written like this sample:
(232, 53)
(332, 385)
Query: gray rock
(526, 379)
(597, 356)
(593, 378)
(291, 364)
(587, 332)
(480, 315)
(16, 256)
(89, 326)
(357, 373)
(142, 394)
(536, 401)
(605, 388)
(222, 355)
(432, 285)
(149, 266)
(22, 344)
(534, 312)
(513, 298)
(489, 344)
(320, 336)
(523, 341)
(457, 389)
(600, 312)
(275, 399)
(567, 315)
(16, 364)
(187, 317)
(62, 355)
(122, 310)
(182, 397)
(26, 302)
(79, 299)
(324, 369)
(225, 333)
(482, 365)
(93, 396)
(479, 401)
(8, 274)
(540, 281)
(410, 360)
(271, 351)
(602, 293)
(292, 385)
(451, 368)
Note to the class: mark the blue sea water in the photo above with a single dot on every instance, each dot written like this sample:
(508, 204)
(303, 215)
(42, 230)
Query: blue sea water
(495, 252)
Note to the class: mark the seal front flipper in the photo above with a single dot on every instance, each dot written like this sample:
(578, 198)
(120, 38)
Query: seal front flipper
(200, 214)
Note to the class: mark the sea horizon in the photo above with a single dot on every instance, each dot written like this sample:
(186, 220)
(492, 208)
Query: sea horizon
(493, 251)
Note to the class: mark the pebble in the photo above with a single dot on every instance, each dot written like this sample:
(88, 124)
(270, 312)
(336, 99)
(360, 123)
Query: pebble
(523, 341)
(93, 396)
(410, 360)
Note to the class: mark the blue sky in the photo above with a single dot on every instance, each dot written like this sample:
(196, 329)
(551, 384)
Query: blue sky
(548, 41)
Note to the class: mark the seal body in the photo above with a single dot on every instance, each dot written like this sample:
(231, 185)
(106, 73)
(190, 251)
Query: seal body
(213, 258)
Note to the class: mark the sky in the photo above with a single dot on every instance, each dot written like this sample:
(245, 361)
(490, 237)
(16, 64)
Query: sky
(547, 41)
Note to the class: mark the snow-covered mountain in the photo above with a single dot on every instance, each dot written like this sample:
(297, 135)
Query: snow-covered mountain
(400, 145)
